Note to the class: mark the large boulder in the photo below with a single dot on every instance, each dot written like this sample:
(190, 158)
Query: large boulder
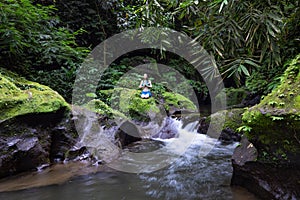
(35, 126)
(266, 180)
(19, 97)
(273, 128)
(128, 102)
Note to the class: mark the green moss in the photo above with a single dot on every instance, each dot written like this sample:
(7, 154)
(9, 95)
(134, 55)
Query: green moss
(129, 102)
(100, 107)
(275, 121)
(233, 118)
(297, 102)
(19, 96)
(178, 101)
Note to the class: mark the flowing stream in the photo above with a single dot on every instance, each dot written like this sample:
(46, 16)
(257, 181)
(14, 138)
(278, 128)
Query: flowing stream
(187, 177)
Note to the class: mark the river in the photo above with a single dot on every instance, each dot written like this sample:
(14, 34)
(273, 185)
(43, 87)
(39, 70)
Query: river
(188, 177)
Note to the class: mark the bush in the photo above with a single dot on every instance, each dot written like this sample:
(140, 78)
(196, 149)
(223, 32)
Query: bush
(30, 36)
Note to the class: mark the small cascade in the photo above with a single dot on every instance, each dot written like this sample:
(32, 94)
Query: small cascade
(106, 144)
(168, 129)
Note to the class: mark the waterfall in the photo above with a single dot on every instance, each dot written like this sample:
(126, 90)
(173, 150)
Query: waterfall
(101, 143)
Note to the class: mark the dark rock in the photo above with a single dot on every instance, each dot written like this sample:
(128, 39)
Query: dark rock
(203, 126)
(75, 153)
(127, 134)
(266, 180)
(245, 152)
(22, 153)
(232, 121)
(251, 100)
(229, 136)
(63, 138)
(27, 143)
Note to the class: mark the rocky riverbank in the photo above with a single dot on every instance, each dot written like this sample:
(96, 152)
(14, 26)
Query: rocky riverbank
(35, 125)
(268, 164)
(38, 128)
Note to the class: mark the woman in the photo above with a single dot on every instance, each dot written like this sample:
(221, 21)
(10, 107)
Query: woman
(145, 84)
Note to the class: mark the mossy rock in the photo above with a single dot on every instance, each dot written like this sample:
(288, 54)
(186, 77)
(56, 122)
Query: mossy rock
(129, 102)
(231, 120)
(178, 101)
(19, 96)
(234, 96)
(275, 122)
(101, 108)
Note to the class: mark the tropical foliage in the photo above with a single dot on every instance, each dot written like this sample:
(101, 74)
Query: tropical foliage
(46, 41)
(31, 36)
(244, 36)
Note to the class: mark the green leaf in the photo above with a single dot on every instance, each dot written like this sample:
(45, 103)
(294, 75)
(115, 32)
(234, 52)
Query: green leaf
(245, 70)
(247, 61)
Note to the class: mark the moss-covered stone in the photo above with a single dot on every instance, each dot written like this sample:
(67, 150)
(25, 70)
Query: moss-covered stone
(19, 96)
(233, 118)
(129, 102)
(178, 101)
(101, 108)
(275, 122)
(35, 125)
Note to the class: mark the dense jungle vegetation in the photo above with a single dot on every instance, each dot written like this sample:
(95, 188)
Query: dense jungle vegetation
(47, 40)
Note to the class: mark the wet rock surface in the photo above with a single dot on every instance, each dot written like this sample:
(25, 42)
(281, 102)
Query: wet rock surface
(167, 131)
(231, 120)
(127, 133)
(27, 143)
(228, 136)
(274, 132)
(268, 181)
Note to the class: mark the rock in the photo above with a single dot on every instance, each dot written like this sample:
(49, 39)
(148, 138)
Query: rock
(103, 109)
(35, 126)
(203, 125)
(19, 97)
(229, 134)
(274, 123)
(266, 180)
(251, 100)
(245, 152)
(168, 130)
(127, 134)
(26, 144)
(22, 147)
(128, 102)
(77, 154)
(274, 128)
(63, 138)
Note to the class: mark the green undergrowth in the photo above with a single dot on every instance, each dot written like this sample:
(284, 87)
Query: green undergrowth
(275, 122)
(234, 96)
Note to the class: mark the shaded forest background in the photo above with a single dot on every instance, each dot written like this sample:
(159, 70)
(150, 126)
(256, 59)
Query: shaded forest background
(47, 40)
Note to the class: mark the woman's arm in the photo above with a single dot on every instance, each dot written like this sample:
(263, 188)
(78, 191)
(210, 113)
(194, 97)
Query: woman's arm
(141, 84)
(150, 84)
